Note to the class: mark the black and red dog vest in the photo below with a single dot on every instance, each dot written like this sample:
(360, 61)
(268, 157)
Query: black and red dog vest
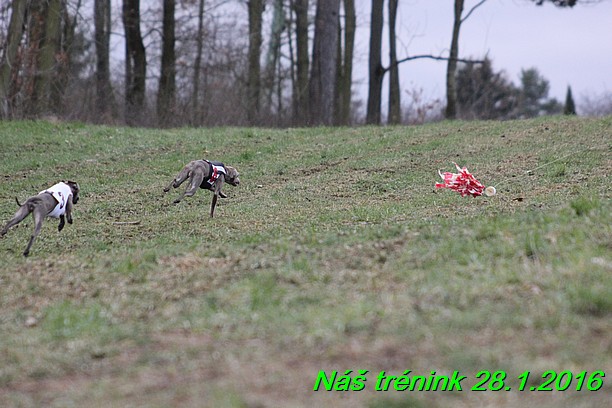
(215, 169)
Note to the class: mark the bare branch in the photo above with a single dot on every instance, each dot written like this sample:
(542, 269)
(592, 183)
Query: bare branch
(480, 3)
(434, 57)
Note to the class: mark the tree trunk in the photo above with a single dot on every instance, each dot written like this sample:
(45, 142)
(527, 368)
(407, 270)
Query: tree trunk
(376, 72)
(135, 62)
(301, 114)
(395, 114)
(102, 24)
(46, 67)
(451, 68)
(64, 57)
(292, 60)
(254, 74)
(8, 67)
(273, 59)
(347, 63)
(339, 73)
(35, 34)
(324, 54)
(196, 118)
(166, 93)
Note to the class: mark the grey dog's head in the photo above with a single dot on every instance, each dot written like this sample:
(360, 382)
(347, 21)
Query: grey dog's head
(74, 187)
(232, 176)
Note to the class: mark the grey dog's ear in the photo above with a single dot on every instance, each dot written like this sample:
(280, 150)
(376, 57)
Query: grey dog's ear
(74, 186)
(232, 175)
(230, 171)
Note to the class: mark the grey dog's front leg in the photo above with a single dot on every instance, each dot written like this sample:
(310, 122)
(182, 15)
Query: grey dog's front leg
(213, 205)
(69, 211)
(68, 216)
(218, 185)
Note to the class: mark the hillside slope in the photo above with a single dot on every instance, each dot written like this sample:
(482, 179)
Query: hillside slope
(334, 253)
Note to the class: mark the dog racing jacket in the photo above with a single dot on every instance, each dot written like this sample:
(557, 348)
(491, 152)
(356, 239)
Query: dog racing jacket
(215, 170)
(62, 193)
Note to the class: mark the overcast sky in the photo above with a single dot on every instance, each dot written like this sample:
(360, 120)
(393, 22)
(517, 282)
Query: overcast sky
(567, 46)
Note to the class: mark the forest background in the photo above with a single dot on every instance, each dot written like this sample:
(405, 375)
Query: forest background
(300, 62)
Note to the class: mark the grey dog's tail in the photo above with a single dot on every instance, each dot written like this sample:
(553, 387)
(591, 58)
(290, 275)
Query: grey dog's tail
(17, 200)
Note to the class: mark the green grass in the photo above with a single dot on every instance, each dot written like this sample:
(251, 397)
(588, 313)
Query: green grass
(334, 253)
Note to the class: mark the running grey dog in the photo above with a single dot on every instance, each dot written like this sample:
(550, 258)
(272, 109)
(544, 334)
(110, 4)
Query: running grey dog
(207, 175)
(55, 202)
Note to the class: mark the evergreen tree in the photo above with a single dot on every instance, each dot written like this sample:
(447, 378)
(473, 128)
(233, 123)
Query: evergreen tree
(570, 107)
(483, 93)
(533, 97)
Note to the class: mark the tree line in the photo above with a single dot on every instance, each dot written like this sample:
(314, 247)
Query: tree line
(195, 62)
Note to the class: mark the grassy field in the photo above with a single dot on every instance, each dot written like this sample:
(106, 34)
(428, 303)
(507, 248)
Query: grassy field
(334, 253)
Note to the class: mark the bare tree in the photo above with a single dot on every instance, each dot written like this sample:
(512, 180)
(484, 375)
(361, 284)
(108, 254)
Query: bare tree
(596, 105)
(9, 64)
(395, 115)
(256, 8)
(324, 58)
(300, 90)
(451, 69)
(376, 71)
(66, 55)
(346, 66)
(135, 62)
(102, 24)
(46, 67)
(35, 35)
(166, 94)
(273, 81)
(197, 66)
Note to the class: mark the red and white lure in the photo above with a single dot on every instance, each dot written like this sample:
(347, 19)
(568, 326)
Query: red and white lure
(464, 183)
